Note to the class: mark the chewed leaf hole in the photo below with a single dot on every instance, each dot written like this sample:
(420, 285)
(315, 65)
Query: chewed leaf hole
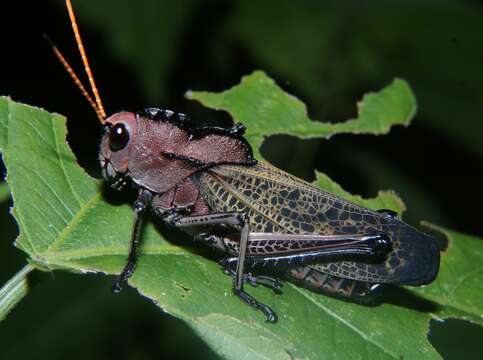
(453, 337)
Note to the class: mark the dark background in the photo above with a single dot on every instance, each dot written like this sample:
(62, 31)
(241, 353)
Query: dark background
(327, 53)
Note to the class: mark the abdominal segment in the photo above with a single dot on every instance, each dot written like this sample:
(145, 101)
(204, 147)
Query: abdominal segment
(315, 280)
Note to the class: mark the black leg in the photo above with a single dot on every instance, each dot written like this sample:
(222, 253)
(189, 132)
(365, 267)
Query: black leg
(318, 248)
(269, 313)
(171, 215)
(140, 206)
(238, 287)
(255, 280)
(237, 219)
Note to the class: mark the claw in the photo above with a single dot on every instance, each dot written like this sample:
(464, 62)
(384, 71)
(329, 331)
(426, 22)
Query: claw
(270, 282)
(122, 278)
(269, 313)
(205, 238)
(118, 285)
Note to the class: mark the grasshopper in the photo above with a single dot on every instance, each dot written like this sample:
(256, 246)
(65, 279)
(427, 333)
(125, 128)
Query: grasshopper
(206, 181)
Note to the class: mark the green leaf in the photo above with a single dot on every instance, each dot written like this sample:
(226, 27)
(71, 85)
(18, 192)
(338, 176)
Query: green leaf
(313, 59)
(267, 110)
(383, 200)
(458, 287)
(65, 223)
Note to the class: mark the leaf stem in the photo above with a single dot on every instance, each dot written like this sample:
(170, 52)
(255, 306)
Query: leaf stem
(14, 290)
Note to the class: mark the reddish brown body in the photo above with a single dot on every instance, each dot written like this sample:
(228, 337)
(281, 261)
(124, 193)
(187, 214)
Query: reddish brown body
(152, 157)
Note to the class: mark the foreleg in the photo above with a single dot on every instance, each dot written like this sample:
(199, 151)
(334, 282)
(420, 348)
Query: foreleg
(140, 206)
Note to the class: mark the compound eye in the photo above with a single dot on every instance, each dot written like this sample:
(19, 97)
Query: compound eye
(118, 137)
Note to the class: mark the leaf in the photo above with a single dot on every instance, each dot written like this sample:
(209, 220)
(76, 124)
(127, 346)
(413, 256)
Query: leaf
(267, 110)
(65, 223)
(383, 200)
(313, 58)
(458, 287)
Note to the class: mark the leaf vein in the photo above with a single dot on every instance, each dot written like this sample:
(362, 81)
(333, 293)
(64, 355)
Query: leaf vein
(74, 221)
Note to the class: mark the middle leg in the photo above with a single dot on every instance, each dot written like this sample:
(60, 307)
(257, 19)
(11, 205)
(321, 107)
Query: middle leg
(232, 219)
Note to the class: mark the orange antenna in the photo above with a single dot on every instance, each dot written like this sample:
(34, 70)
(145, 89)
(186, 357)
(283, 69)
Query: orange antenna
(84, 59)
(74, 77)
